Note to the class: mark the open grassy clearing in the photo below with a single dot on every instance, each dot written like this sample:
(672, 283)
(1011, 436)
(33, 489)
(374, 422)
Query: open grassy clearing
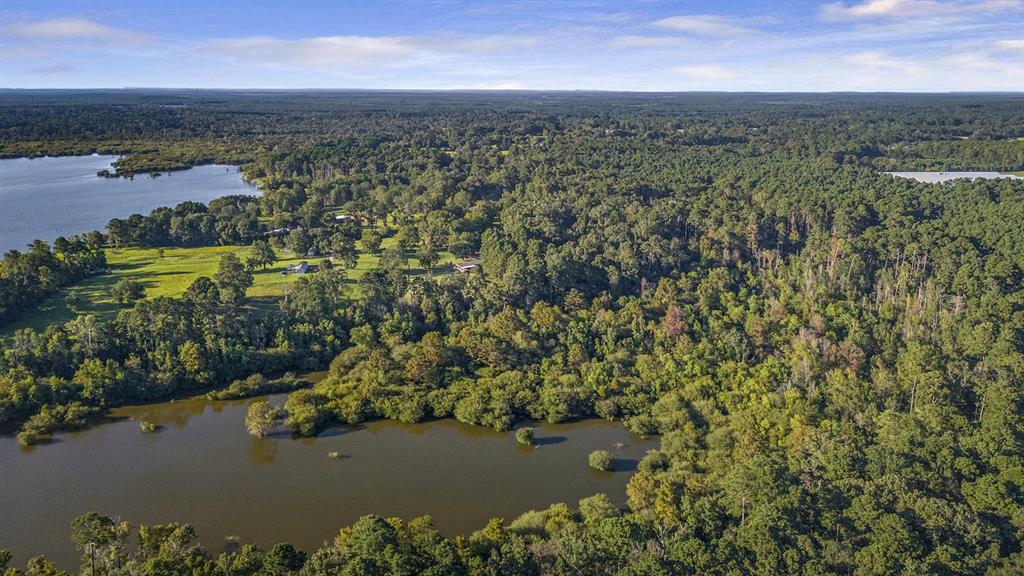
(173, 272)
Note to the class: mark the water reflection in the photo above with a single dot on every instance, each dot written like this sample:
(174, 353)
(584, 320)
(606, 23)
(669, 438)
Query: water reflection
(262, 451)
(175, 413)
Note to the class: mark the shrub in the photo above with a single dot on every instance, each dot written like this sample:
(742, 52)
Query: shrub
(261, 418)
(41, 425)
(256, 385)
(601, 460)
(30, 437)
(525, 436)
(306, 412)
(147, 427)
(126, 291)
(531, 522)
(642, 425)
(598, 507)
(75, 299)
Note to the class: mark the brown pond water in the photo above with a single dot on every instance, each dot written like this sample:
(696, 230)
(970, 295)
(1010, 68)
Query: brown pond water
(203, 468)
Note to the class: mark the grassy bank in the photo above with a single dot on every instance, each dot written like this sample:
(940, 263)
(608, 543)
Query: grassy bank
(170, 274)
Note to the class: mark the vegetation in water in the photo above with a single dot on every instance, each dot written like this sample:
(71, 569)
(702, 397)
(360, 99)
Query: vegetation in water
(524, 436)
(148, 427)
(256, 385)
(261, 418)
(600, 460)
(51, 418)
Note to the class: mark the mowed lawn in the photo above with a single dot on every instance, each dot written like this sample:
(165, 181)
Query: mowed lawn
(173, 272)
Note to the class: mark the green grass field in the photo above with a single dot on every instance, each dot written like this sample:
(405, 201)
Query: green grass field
(172, 273)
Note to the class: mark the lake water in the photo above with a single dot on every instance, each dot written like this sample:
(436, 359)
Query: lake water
(202, 467)
(939, 177)
(43, 198)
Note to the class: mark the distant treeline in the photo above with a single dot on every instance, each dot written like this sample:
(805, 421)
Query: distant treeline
(984, 155)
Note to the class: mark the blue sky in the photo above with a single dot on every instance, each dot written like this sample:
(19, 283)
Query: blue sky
(760, 45)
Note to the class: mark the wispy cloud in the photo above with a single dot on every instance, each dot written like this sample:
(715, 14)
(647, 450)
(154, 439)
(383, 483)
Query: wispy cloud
(615, 17)
(597, 44)
(879, 61)
(324, 52)
(874, 9)
(53, 70)
(706, 25)
(490, 86)
(706, 73)
(961, 69)
(74, 29)
(490, 43)
(354, 53)
(1010, 45)
(639, 41)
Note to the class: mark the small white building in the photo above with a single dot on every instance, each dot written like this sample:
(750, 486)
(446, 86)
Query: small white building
(466, 266)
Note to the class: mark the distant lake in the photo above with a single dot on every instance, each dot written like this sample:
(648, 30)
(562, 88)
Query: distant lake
(938, 177)
(43, 198)
(202, 467)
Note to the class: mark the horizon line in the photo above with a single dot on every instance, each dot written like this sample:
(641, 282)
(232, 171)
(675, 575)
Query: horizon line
(497, 90)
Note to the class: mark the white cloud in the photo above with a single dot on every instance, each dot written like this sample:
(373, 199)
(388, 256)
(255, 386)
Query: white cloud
(976, 60)
(323, 52)
(366, 53)
(878, 60)
(958, 70)
(899, 45)
(1011, 45)
(52, 70)
(706, 73)
(705, 25)
(630, 41)
(872, 9)
(490, 86)
(71, 29)
(492, 43)
(615, 17)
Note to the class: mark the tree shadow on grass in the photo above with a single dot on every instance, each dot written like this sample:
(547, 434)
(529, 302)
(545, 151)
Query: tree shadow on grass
(122, 267)
(264, 303)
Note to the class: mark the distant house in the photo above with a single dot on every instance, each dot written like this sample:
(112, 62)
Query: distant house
(343, 217)
(300, 268)
(467, 265)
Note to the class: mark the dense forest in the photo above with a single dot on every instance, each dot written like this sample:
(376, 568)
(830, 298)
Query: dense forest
(832, 358)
